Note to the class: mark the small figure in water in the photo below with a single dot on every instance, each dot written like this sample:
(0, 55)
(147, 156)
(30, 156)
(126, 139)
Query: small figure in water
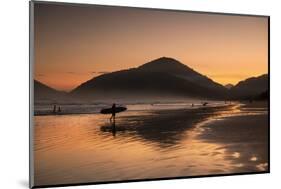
(192, 105)
(205, 103)
(54, 109)
(59, 110)
(113, 112)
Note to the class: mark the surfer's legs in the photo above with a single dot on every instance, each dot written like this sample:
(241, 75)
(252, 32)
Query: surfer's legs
(112, 118)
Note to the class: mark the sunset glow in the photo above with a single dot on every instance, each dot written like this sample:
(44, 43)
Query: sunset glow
(76, 43)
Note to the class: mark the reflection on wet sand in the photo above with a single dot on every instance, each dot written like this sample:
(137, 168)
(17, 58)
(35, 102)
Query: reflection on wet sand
(109, 128)
(150, 144)
(164, 128)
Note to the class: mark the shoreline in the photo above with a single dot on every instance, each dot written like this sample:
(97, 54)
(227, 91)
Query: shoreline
(180, 109)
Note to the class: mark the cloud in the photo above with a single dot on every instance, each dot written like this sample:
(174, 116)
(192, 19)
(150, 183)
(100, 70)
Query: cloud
(39, 75)
(228, 76)
(104, 72)
(86, 73)
(71, 72)
(77, 73)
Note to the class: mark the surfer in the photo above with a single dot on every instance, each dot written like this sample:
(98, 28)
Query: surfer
(113, 112)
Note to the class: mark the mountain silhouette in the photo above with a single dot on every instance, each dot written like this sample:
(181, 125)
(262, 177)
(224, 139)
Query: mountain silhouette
(250, 88)
(44, 92)
(163, 77)
(229, 86)
(176, 68)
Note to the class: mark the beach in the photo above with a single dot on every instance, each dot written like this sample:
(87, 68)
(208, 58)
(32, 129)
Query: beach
(151, 143)
(245, 137)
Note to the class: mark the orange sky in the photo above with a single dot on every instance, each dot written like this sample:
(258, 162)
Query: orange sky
(75, 43)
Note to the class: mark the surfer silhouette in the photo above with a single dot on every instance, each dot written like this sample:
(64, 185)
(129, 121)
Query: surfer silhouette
(113, 112)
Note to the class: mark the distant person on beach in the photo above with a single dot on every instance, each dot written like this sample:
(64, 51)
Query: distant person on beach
(205, 103)
(54, 109)
(113, 112)
(59, 110)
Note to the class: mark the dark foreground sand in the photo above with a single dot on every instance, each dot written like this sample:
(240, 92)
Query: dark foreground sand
(245, 137)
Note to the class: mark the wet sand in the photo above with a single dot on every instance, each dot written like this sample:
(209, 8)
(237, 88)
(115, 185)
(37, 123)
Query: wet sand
(151, 144)
(245, 137)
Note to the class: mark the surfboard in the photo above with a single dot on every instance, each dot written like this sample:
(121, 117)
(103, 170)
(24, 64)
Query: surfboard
(109, 110)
